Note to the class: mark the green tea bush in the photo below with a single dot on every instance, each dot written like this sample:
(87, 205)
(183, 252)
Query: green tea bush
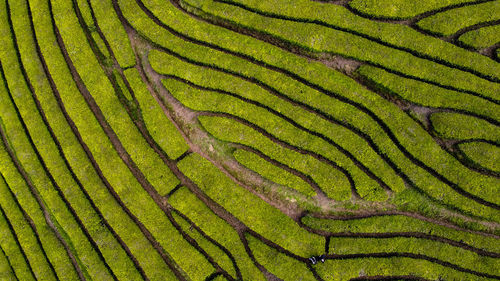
(482, 37)
(400, 8)
(483, 153)
(159, 126)
(218, 229)
(448, 22)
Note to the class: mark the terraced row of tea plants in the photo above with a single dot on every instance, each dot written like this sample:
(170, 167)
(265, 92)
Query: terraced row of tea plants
(249, 140)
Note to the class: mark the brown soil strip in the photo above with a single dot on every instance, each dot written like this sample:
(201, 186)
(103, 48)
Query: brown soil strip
(287, 145)
(290, 74)
(454, 215)
(307, 108)
(217, 209)
(200, 141)
(239, 227)
(274, 68)
(295, 124)
(342, 64)
(491, 51)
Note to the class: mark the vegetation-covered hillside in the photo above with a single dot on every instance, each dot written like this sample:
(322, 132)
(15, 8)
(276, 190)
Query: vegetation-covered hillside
(249, 140)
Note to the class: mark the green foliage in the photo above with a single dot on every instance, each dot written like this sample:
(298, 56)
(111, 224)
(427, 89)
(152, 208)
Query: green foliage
(113, 253)
(400, 8)
(212, 250)
(155, 171)
(401, 125)
(426, 94)
(6, 271)
(399, 223)
(275, 56)
(159, 126)
(26, 239)
(114, 32)
(55, 251)
(280, 128)
(219, 278)
(291, 69)
(345, 269)
(462, 127)
(68, 225)
(279, 264)
(250, 209)
(122, 90)
(482, 37)
(405, 128)
(438, 250)
(484, 154)
(448, 22)
(217, 102)
(100, 45)
(218, 229)
(85, 10)
(271, 172)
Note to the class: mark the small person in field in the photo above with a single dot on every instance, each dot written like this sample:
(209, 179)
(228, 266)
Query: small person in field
(314, 259)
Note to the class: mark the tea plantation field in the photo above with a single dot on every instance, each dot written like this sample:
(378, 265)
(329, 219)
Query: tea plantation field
(249, 140)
